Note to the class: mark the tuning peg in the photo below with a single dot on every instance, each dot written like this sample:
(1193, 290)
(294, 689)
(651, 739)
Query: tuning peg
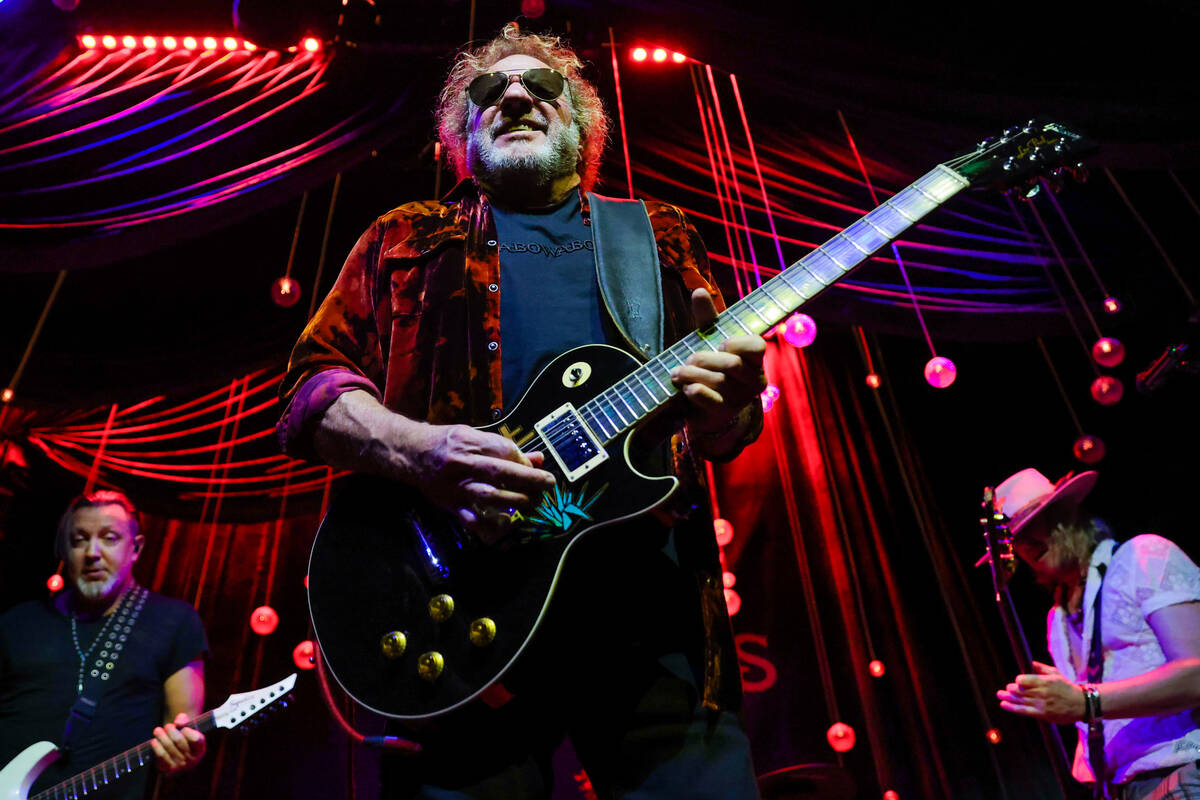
(1010, 164)
(984, 144)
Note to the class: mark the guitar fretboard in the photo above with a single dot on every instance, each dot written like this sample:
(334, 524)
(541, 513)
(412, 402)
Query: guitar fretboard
(643, 391)
(99, 776)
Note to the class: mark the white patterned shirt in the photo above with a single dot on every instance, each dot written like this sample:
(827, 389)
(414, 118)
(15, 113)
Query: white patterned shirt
(1147, 573)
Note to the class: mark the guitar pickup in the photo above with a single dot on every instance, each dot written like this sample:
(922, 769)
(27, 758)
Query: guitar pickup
(570, 442)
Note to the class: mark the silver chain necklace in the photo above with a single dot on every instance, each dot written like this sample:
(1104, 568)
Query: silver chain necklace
(124, 614)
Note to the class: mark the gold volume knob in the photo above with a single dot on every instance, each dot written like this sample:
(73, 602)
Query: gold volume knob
(482, 631)
(393, 644)
(429, 665)
(441, 608)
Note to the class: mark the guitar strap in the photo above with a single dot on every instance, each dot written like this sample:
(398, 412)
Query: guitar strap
(1095, 674)
(627, 269)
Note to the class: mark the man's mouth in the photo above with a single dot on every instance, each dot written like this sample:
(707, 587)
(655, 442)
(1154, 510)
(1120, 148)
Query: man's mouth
(519, 127)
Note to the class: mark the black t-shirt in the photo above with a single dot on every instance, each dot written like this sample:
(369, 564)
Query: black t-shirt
(39, 669)
(549, 298)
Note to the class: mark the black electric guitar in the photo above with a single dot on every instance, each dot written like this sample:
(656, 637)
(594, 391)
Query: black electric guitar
(20, 773)
(416, 618)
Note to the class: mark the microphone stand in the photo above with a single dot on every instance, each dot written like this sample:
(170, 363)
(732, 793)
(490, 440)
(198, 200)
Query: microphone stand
(1000, 559)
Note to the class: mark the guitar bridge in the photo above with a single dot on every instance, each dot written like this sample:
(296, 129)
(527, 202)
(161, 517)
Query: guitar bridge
(570, 442)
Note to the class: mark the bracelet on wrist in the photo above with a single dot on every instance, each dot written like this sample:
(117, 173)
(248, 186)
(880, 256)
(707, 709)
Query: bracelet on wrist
(1091, 702)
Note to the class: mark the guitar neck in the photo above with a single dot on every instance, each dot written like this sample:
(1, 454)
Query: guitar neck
(642, 392)
(116, 767)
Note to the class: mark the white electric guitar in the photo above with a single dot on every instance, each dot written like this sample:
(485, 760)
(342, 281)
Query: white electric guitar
(22, 771)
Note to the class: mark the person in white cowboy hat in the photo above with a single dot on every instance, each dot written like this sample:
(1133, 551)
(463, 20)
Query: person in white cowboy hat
(1132, 688)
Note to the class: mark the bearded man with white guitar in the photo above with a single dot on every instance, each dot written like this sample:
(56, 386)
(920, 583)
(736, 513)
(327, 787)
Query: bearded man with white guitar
(442, 315)
(101, 665)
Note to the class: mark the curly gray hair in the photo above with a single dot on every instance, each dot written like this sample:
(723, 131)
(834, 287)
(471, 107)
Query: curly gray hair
(586, 106)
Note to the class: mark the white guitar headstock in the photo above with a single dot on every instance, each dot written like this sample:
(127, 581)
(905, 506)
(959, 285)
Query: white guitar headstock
(241, 707)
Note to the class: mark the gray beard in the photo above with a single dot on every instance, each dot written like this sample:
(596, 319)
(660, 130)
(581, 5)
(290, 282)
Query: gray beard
(92, 592)
(528, 172)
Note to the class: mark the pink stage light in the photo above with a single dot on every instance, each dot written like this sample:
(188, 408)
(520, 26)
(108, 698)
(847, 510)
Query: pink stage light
(251, 46)
(88, 41)
(109, 42)
(659, 55)
(799, 330)
(638, 54)
(940, 372)
(733, 602)
(189, 43)
(170, 43)
(769, 396)
(230, 43)
(128, 42)
(678, 58)
(210, 43)
(1112, 305)
(728, 579)
(149, 42)
(311, 44)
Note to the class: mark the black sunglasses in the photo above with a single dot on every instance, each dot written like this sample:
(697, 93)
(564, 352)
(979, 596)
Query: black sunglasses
(541, 82)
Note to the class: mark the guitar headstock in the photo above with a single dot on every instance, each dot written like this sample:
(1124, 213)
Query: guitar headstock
(247, 706)
(997, 540)
(1020, 157)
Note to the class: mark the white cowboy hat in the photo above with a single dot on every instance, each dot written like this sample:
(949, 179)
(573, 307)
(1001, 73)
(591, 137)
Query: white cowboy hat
(1026, 494)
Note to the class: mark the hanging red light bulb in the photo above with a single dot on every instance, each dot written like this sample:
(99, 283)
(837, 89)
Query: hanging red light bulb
(798, 330)
(1108, 352)
(1107, 390)
(263, 620)
(733, 602)
(1089, 449)
(873, 381)
(891, 794)
(994, 736)
(940, 372)
(841, 737)
(285, 292)
(876, 668)
(55, 582)
(303, 655)
(1112, 305)
(724, 531)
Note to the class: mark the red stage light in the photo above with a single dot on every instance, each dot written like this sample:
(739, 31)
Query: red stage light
(230, 43)
(1112, 305)
(841, 737)
(6, 396)
(110, 42)
(724, 531)
(876, 668)
(728, 579)
(55, 582)
(993, 735)
(88, 41)
(305, 581)
(149, 42)
(891, 794)
(1107, 390)
(1089, 449)
(678, 58)
(874, 381)
(128, 42)
(311, 44)
(263, 620)
(170, 43)
(251, 46)
(733, 602)
(660, 55)
(210, 43)
(189, 43)
(1108, 352)
(285, 292)
(638, 54)
(302, 655)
